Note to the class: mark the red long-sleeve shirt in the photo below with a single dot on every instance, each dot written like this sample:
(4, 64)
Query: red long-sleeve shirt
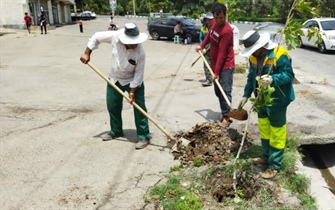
(221, 40)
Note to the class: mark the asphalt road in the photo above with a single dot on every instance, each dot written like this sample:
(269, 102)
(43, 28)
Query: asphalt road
(53, 111)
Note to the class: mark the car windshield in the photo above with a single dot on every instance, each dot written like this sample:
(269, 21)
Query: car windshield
(328, 25)
(187, 22)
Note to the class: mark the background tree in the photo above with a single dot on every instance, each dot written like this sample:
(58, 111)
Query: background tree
(326, 8)
(261, 8)
(243, 8)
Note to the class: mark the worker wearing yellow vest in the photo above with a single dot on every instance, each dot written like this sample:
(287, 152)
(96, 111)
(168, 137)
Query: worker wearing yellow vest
(272, 63)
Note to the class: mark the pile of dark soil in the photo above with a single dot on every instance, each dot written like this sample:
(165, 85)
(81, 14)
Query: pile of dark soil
(220, 184)
(213, 144)
(210, 142)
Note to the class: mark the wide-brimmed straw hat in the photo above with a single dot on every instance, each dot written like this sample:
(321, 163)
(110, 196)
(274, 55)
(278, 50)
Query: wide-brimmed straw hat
(132, 35)
(253, 40)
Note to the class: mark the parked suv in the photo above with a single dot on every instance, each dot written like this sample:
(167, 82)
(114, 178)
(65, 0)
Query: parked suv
(164, 27)
(326, 27)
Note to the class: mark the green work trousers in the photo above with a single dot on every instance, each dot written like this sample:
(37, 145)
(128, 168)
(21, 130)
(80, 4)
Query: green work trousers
(272, 128)
(115, 104)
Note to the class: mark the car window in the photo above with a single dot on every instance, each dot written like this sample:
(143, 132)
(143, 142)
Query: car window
(187, 22)
(164, 21)
(328, 25)
(308, 24)
(171, 23)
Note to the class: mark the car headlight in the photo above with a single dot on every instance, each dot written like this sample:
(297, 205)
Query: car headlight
(330, 37)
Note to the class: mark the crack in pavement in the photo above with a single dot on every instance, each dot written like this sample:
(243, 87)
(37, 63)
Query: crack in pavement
(110, 195)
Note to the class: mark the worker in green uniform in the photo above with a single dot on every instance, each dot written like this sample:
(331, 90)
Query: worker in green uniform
(272, 64)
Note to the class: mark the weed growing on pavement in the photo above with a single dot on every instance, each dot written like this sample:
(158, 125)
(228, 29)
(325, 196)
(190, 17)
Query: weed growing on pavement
(207, 174)
(307, 202)
(196, 163)
(192, 187)
(179, 192)
(176, 168)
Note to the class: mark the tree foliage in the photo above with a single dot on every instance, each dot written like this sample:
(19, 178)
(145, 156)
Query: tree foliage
(195, 8)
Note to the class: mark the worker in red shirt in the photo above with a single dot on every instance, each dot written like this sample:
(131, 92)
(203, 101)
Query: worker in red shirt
(221, 39)
(28, 20)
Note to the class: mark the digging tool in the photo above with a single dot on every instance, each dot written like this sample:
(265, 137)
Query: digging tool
(235, 113)
(181, 140)
(206, 49)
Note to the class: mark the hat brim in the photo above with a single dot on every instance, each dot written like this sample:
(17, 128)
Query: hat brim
(270, 45)
(263, 40)
(142, 37)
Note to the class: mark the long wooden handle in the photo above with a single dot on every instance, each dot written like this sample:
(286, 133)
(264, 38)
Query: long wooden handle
(216, 80)
(126, 97)
(206, 49)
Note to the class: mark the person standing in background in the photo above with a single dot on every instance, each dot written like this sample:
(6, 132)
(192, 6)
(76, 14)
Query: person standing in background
(28, 21)
(43, 22)
(207, 23)
(80, 22)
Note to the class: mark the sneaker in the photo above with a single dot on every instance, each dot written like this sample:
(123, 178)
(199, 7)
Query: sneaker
(109, 136)
(269, 173)
(207, 83)
(142, 144)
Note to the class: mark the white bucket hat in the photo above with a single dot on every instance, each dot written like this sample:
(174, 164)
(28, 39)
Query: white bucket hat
(252, 41)
(209, 15)
(132, 35)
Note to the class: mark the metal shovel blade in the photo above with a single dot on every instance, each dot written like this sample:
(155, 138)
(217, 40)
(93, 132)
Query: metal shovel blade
(175, 143)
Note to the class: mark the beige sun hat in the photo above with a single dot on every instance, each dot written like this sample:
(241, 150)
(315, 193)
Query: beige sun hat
(252, 41)
(132, 35)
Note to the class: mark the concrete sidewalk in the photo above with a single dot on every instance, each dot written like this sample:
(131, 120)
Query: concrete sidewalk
(53, 111)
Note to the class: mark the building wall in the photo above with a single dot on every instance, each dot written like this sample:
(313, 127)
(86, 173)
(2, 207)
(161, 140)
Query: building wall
(12, 13)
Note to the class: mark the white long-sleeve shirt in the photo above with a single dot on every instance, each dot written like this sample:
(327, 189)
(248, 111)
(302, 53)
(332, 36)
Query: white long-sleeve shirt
(121, 70)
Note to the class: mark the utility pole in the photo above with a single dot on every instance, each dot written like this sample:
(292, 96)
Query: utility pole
(134, 8)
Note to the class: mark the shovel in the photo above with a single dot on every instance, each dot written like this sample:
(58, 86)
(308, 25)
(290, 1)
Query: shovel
(238, 114)
(181, 140)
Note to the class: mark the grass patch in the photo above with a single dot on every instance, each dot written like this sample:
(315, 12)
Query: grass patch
(180, 192)
(176, 168)
(186, 188)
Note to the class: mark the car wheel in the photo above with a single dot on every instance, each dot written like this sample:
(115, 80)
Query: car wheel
(322, 47)
(155, 35)
(301, 45)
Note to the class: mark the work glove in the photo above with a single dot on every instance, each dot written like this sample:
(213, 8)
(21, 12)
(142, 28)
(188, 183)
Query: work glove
(242, 102)
(266, 80)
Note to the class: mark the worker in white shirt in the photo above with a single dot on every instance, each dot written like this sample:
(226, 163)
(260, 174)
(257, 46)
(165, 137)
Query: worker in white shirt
(127, 72)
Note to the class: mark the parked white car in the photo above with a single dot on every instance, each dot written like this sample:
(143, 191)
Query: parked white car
(326, 27)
